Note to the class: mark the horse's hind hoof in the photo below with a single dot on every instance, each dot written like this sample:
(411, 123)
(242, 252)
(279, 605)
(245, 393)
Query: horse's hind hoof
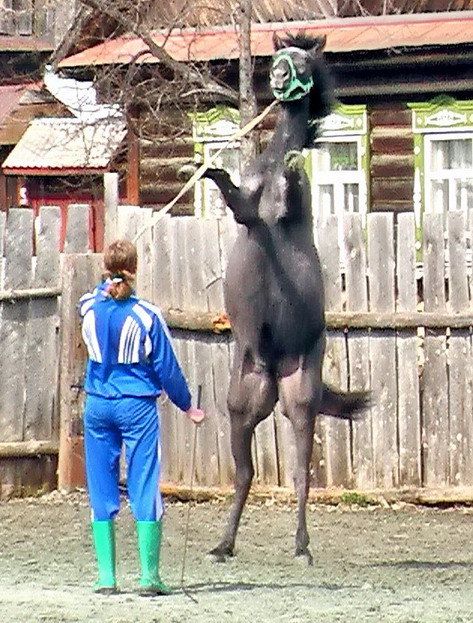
(305, 557)
(220, 554)
(186, 172)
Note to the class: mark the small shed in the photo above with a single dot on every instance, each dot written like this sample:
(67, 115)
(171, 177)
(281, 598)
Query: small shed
(62, 161)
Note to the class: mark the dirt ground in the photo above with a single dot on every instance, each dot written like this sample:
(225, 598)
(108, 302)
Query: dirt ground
(402, 564)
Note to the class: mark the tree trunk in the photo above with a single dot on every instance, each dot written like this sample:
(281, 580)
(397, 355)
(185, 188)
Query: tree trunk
(248, 104)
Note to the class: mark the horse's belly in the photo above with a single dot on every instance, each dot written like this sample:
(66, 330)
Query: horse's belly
(277, 303)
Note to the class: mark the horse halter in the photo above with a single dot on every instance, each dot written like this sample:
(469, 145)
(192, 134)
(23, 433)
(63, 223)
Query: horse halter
(296, 89)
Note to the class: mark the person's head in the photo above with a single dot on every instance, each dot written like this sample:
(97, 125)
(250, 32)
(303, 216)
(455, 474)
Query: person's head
(120, 260)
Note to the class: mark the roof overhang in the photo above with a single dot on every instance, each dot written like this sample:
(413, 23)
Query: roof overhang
(54, 146)
(344, 35)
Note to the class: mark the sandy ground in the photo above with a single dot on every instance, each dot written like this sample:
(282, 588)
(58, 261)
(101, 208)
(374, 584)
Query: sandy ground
(402, 564)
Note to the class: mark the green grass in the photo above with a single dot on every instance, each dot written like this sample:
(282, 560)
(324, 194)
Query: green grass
(353, 497)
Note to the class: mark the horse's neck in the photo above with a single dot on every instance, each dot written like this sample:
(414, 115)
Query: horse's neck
(291, 130)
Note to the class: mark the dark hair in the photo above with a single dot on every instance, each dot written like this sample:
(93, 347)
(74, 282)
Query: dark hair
(120, 260)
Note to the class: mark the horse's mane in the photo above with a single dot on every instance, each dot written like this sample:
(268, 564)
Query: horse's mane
(321, 95)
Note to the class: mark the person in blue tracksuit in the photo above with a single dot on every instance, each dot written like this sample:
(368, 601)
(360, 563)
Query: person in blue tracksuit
(130, 362)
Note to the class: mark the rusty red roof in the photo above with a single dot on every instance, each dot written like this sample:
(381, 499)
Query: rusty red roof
(343, 35)
(11, 94)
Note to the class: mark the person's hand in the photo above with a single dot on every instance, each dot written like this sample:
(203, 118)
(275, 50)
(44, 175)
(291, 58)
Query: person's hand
(195, 414)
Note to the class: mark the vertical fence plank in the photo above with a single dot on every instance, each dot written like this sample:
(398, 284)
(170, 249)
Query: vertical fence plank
(435, 435)
(145, 249)
(220, 382)
(358, 347)
(460, 361)
(335, 433)
(186, 429)
(14, 323)
(407, 345)
(172, 426)
(383, 350)
(128, 221)
(207, 434)
(212, 267)
(192, 265)
(42, 346)
(177, 261)
(77, 228)
(162, 236)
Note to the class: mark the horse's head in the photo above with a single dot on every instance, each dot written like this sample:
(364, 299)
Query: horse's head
(298, 70)
(294, 63)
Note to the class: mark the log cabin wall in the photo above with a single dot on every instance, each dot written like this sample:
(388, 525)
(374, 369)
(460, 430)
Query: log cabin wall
(160, 161)
(391, 157)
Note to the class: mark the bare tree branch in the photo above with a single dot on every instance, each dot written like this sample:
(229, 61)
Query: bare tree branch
(207, 84)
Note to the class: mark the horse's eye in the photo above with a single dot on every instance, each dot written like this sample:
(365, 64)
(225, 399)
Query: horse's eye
(300, 65)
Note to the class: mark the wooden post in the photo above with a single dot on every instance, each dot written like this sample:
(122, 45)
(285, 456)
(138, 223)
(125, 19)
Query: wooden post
(80, 273)
(133, 172)
(110, 182)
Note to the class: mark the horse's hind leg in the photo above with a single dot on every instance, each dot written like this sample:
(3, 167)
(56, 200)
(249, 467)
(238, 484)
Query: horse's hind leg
(251, 398)
(300, 396)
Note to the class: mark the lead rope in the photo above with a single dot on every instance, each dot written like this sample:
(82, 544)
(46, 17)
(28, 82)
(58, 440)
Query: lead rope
(186, 533)
(203, 167)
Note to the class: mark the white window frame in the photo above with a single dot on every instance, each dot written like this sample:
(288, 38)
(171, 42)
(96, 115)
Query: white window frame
(338, 179)
(211, 132)
(452, 175)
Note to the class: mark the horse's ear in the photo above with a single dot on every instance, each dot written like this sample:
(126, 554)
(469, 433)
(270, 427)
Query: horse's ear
(319, 44)
(278, 43)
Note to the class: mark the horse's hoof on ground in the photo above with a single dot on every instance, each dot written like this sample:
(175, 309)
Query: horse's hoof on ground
(219, 554)
(186, 172)
(294, 160)
(305, 558)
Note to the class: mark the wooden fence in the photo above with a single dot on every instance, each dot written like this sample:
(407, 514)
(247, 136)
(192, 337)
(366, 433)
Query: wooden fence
(30, 330)
(398, 328)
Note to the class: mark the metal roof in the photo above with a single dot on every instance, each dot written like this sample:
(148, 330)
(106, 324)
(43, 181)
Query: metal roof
(343, 35)
(53, 145)
(22, 43)
(10, 96)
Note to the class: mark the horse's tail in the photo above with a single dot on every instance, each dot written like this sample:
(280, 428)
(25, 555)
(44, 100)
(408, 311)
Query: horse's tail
(344, 405)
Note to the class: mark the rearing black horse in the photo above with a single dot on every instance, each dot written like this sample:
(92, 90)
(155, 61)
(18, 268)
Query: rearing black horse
(273, 289)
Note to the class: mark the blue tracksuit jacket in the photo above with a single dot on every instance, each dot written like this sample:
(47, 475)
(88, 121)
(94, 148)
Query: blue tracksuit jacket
(129, 348)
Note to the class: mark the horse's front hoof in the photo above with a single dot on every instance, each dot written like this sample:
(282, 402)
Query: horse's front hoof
(305, 556)
(294, 160)
(186, 172)
(220, 554)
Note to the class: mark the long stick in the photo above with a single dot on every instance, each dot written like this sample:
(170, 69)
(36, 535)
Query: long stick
(186, 535)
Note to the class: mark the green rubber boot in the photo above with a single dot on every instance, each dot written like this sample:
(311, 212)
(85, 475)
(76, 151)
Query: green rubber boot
(149, 546)
(103, 533)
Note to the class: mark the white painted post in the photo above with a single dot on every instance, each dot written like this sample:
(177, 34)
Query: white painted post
(110, 183)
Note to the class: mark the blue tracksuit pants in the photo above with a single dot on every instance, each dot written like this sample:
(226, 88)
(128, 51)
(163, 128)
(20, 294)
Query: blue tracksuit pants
(107, 424)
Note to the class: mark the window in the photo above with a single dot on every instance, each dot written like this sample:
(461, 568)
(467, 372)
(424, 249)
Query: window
(443, 149)
(211, 132)
(338, 164)
(448, 172)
